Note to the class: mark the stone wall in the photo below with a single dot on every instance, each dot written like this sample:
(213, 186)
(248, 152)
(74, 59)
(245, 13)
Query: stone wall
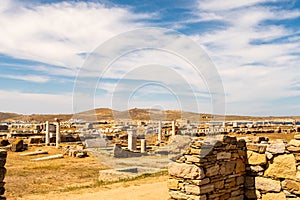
(272, 171)
(3, 155)
(227, 168)
(209, 169)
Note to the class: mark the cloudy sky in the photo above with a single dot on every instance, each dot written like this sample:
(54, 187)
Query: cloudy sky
(253, 44)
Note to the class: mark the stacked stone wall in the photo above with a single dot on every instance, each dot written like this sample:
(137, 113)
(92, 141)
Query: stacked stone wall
(209, 169)
(227, 168)
(3, 156)
(273, 169)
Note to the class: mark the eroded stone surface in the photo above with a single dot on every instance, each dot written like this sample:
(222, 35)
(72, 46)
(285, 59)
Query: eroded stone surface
(283, 166)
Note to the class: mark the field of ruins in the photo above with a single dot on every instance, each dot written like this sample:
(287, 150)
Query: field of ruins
(177, 159)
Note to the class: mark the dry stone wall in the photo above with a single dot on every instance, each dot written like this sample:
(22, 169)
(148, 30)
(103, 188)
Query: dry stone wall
(273, 170)
(3, 156)
(209, 169)
(227, 168)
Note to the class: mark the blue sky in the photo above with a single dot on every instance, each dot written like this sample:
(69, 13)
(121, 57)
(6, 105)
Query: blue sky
(254, 44)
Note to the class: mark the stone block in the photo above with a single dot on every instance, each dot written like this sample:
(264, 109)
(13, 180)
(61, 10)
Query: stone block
(256, 158)
(227, 168)
(223, 155)
(187, 171)
(240, 166)
(276, 147)
(283, 166)
(274, 196)
(173, 184)
(200, 182)
(267, 184)
(212, 171)
(295, 143)
(291, 186)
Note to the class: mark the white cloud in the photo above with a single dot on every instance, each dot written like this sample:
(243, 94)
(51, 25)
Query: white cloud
(256, 59)
(57, 33)
(29, 78)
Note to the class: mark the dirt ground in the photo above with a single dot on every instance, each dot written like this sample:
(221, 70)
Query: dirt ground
(25, 177)
(70, 178)
(146, 189)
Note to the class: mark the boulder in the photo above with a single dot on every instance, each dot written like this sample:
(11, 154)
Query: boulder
(283, 166)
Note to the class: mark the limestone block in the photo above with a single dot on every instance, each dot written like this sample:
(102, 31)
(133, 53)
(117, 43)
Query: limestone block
(227, 168)
(295, 143)
(274, 196)
(187, 171)
(291, 186)
(240, 166)
(173, 184)
(212, 171)
(283, 166)
(223, 155)
(256, 158)
(267, 184)
(276, 147)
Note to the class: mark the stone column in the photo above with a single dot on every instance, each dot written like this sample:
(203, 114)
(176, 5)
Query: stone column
(47, 137)
(132, 139)
(159, 131)
(143, 146)
(58, 139)
(173, 128)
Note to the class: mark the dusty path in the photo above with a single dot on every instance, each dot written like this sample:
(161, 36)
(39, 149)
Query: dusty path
(137, 190)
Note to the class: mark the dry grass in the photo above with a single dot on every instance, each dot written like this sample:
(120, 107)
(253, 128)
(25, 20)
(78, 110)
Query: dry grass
(27, 177)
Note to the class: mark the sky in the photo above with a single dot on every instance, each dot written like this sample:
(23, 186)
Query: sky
(254, 45)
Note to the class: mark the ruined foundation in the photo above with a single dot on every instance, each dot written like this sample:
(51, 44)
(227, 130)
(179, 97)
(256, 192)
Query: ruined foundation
(227, 168)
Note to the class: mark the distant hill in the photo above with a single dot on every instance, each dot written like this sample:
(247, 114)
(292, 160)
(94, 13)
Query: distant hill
(135, 114)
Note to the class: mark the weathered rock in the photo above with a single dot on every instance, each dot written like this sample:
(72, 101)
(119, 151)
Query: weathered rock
(276, 147)
(274, 196)
(295, 143)
(17, 145)
(283, 166)
(223, 155)
(267, 185)
(293, 149)
(227, 168)
(197, 190)
(212, 171)
(257, 168)
(269, 155)
(173, 184)
(260, 148)
(200, 182)
(291, 186)
(256, 158)
(183, 170)
(240, 166)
